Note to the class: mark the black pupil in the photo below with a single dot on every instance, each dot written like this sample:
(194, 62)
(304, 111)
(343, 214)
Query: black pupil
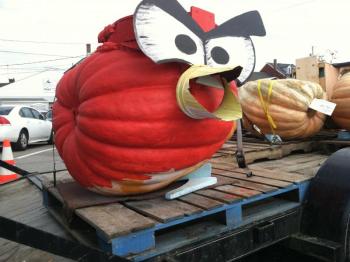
(220, 55)
(185, 44)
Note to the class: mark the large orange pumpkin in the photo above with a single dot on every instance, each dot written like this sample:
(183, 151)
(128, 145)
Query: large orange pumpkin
(288, 107)
(341, 97)
(117, 124)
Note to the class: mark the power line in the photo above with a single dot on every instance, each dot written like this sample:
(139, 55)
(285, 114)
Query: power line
(39, 68)
(26, 53)
(42, 42)
(30, 76)
(31, 72)
(293, 6)
(23, 71)
(41, 61)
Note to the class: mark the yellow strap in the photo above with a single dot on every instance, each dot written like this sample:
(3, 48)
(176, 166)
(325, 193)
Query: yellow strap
(265, 105)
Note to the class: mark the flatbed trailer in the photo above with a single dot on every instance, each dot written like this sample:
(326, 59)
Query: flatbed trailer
(236, 218)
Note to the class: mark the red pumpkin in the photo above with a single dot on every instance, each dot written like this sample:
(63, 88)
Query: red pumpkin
(117, 124)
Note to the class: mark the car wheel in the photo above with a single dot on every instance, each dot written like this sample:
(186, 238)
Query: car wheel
(22, 141)
(50, 141)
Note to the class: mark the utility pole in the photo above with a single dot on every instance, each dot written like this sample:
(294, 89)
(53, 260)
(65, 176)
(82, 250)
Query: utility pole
(88, 49)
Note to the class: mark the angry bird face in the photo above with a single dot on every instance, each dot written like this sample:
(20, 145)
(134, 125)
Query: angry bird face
(165, 32)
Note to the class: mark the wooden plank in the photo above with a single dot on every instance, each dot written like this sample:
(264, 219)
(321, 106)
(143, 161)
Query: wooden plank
(288, 161)
(217, 195)
(304, 157)
(238, 191)
(305, 146)
(247, 145)
(275, 174)
(298, 158)
(114, 219)
(217, 155)
(272, 153)
(293, 167)
(335, 142)
(201, 201)
(247, 148)
(262, 145)
(257, 179)
(264, 172)
(163, 210)
(310, 172)
(250, 156)
(224, 159)
(224, 166)
(249, 185)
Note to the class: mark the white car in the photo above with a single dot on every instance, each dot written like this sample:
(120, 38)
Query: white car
(24, 125)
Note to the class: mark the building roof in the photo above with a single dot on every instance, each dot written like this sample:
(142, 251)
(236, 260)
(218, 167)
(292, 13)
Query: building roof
(259, 75)
(42, 85)
(282, 68)
(21, 99)
(339, 65)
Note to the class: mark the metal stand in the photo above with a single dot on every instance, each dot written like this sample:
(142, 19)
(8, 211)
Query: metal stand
(198, 179)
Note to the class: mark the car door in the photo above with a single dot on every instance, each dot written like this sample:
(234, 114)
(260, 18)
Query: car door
(30, 123)
(43, 126)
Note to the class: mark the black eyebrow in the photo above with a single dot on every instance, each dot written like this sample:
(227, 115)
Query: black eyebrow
(173, 8)
(245, 25)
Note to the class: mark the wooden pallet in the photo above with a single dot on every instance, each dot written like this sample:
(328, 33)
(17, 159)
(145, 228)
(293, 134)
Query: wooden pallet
(256, 150)
(305, 164)
(137, 229)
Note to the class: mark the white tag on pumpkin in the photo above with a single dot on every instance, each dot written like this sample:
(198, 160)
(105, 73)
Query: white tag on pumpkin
(323, 106)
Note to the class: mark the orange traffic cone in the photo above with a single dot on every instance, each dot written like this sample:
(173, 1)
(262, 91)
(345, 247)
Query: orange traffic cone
(7, 156)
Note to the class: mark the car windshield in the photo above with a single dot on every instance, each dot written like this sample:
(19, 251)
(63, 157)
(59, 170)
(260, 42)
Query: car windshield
(5, 110)
(49, 114)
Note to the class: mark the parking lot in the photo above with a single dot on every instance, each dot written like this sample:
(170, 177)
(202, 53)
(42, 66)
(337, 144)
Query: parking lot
(38, 158)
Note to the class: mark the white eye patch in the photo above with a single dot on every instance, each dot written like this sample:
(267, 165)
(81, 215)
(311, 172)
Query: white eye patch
(231, 51)
(163, 38)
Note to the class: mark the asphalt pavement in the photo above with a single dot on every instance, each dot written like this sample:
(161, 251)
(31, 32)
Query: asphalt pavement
(38, 158)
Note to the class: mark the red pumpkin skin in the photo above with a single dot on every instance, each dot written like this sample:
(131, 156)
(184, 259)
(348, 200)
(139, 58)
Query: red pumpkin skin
(116, 119)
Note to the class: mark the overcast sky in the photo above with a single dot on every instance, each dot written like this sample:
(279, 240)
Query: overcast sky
(59, 29)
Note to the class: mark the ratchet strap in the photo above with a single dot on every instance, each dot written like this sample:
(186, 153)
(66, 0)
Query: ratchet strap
(265, 105)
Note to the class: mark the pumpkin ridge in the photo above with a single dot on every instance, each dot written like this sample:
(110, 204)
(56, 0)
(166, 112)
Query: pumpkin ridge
(100, 74)
(274, 113)
(155, 146)
(89, 176)
(125, 89)
(277, 97)
(179, 118)
(280, 125)
(91, 64)
(146, 160)
(86, 62)
(115, 172)
(341, 97)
